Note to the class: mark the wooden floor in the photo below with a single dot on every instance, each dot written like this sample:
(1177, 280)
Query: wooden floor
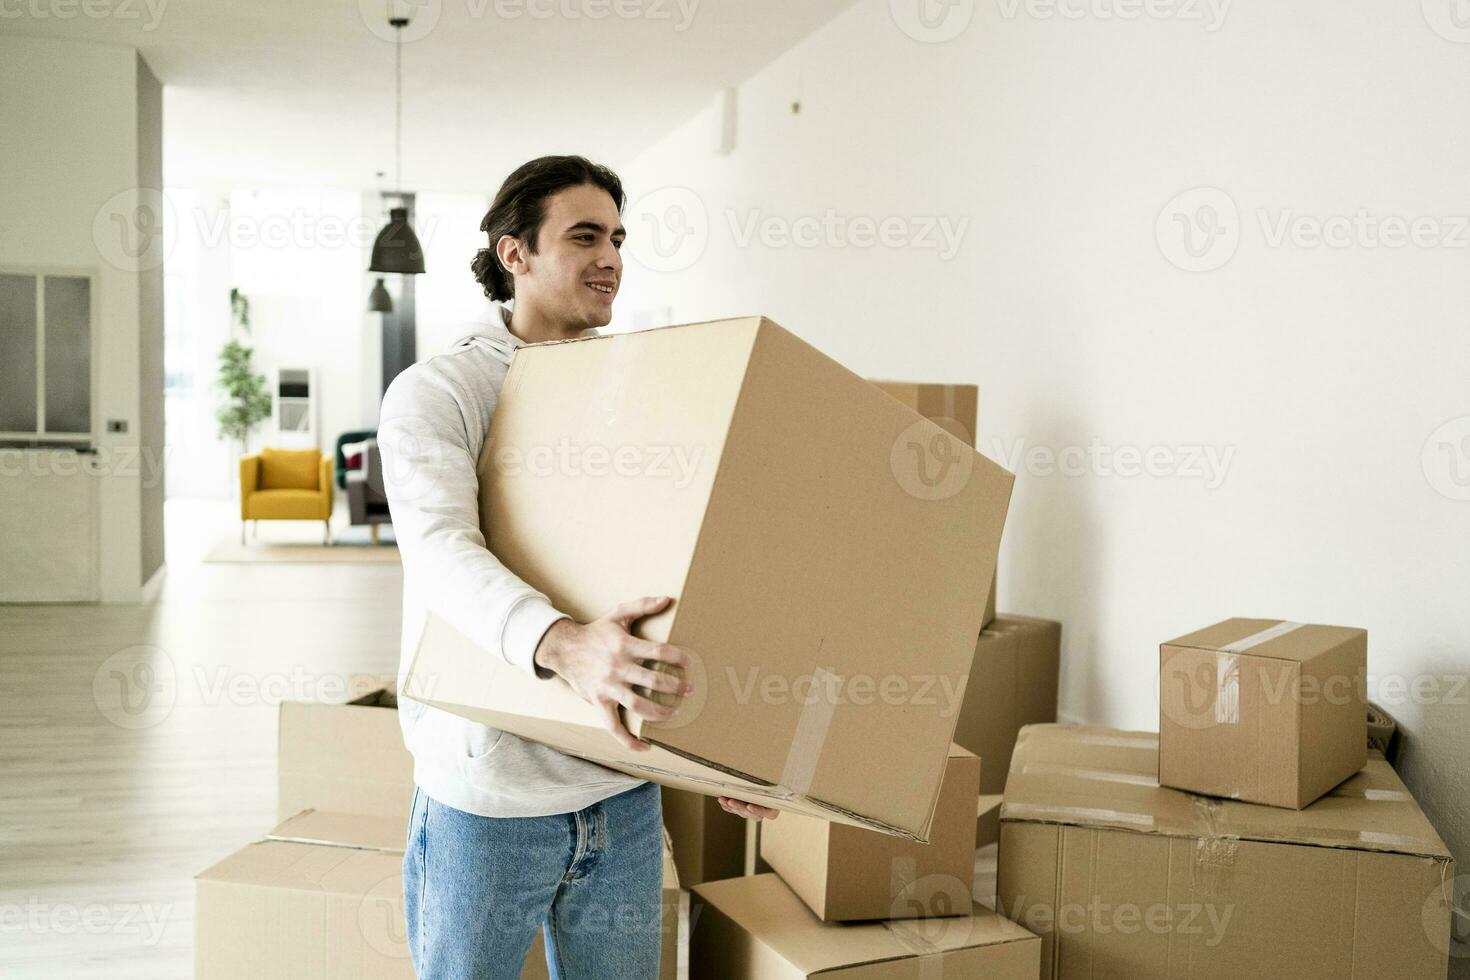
(137, 743)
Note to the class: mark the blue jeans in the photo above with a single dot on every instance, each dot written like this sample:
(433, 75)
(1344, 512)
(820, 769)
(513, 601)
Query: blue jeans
(476, 889)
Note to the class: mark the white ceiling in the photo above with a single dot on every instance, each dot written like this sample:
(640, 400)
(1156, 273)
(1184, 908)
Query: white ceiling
(300, 92)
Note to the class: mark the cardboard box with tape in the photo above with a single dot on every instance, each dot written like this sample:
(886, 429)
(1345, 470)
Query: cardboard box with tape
(756, 929)
(1123, 878)
(822, 542)
(847, 873)
(1263, 710)
(1012, 684)
(321, 898)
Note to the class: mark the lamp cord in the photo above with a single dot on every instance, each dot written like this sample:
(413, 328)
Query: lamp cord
(398, 103)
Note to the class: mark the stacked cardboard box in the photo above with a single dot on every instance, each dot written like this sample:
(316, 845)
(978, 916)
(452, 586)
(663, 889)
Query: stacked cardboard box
(709, 841)
(321, 895)
(847, 873)
(796, 474)
(1124, 878)
(1255, 835)
(754, 928)
(1012, 684)
(1263, 710)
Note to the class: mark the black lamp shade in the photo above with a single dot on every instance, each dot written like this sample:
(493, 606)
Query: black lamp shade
(397, 248)
(378, 300)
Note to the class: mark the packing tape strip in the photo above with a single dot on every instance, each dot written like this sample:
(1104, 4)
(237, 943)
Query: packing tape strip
(1333, 837)
(925, 950)
(1220, 825)
(1380, 795)
(1081, 815)
(1097, 775)
(1213, 870)
(320, 842)
(1256, 639)
(811, 734)
(1125, 741)
(1227, 688)
(612, 382)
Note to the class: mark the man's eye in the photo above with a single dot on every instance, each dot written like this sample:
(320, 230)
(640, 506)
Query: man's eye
(618, 244)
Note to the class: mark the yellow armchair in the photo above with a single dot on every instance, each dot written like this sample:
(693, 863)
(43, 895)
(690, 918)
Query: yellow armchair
(286, 485)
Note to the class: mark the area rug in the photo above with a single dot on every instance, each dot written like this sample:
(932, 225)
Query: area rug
(285, 543)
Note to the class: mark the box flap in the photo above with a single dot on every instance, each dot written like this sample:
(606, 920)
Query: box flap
(1100, 777)
(309, 867)
(765, 908)
(342, 830)
(1274, 638)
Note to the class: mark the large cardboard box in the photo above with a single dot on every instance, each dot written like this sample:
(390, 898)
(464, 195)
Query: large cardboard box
(321, 898)
(847, 873)
(1124, 879)
(757, 929)
(1013, 683)
(347, 758)
(954, 408)
(1263, 710)
(708, 841)
(822, 541)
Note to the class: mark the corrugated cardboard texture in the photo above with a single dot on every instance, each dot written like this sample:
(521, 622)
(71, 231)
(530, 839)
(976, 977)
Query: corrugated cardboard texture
(756, 929)
(346, 757)
(1126, 879)
(955, 409)
(795, 466)
(848, 873)
(709, 842)
(322, 899)
(1280, 722)
(1013, 683)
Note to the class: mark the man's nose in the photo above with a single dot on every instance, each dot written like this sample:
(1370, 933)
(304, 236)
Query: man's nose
(610, 258)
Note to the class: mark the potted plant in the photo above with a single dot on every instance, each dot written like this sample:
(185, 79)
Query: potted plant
(246, 399)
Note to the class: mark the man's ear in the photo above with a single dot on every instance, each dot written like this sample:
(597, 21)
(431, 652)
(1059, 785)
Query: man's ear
(512, 255)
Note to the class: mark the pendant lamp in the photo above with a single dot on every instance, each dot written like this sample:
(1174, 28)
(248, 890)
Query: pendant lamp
(397, 248)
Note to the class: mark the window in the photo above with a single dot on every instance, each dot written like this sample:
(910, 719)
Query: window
(45, 356)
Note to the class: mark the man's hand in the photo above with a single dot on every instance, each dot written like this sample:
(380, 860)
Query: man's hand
(752, 810)
(603, 662)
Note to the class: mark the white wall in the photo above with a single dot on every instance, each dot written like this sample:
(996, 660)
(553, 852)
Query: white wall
(70, 159)
(1321, 374)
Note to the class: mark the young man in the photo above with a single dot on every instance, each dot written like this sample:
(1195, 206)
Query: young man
(506, 835)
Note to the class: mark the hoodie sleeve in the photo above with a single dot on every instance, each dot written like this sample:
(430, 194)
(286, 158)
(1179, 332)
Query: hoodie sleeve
(429, 440)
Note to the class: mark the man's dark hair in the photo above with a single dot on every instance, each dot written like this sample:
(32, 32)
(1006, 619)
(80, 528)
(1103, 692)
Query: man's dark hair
(520, 207)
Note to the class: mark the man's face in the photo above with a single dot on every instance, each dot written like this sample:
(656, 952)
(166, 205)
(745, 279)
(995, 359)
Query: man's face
(576, 269)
